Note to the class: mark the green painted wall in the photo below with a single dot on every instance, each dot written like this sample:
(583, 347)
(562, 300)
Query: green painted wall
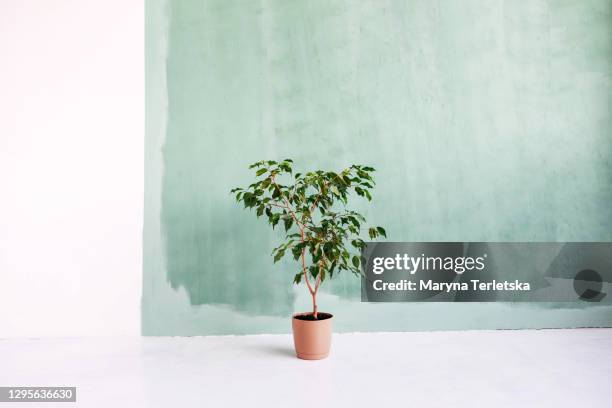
(486, 120)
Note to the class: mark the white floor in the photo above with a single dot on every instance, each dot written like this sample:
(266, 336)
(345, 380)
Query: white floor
(545, 368)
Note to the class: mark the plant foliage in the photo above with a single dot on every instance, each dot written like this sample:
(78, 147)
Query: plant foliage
(320, 232)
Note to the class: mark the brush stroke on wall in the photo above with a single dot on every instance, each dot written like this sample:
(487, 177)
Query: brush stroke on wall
(486, 120)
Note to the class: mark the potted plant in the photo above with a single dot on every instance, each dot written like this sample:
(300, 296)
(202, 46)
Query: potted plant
(321, 234)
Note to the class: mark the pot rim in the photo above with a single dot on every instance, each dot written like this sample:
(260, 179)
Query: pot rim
(309, 313)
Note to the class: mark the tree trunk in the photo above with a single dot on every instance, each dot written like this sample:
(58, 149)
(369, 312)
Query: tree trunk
(314, 306)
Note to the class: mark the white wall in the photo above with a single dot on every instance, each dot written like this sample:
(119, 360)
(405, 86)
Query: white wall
(71, 167)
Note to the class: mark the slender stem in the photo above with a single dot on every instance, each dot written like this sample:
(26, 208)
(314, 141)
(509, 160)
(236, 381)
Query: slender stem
(277, 205)
(302, 239)
(314, 294)
(310, 289)
(316, 201)
(288, 205)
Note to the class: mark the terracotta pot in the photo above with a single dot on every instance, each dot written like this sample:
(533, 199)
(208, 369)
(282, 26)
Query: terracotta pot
(312, 338)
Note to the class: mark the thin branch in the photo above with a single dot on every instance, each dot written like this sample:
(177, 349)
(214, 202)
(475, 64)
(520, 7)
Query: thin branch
(276, 205)
(314, 205)
(288, 205)
(302, 238)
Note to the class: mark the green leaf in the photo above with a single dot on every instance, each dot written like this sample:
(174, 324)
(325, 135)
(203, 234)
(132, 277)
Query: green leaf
(279, 255)
(275, 219)
(260, 172)
(297, 252)
(373, 233)
(355, 261)
(331, 269)
(382, 231)
(354, 221)
(288, 223)
(297, 278)
(358, 243)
